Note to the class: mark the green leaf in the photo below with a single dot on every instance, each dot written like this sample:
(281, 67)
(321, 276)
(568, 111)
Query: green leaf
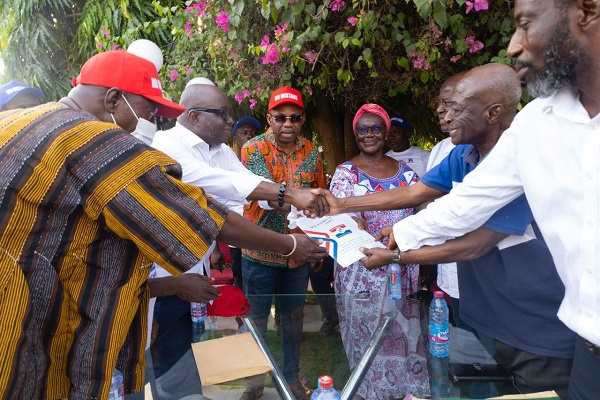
(339, 37)
(374, 74)
(424, 76)
(345, 42)
(274, 14)
(439, 14)
(356, 42)
(367, 53)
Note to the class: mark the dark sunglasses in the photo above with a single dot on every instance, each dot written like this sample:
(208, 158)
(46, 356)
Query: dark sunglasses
(280, 119)
(222, 113)
(363, 129)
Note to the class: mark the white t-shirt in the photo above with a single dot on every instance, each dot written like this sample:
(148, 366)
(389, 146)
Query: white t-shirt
(414, 157)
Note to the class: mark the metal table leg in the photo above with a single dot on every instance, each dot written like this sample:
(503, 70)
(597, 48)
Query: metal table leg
(280, 383)
(367, 359)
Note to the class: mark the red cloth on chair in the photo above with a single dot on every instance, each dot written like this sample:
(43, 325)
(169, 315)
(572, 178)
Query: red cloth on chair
(222, 278)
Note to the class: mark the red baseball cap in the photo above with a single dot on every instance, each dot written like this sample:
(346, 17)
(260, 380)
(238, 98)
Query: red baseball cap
(129, 73)
(231, 302)
(285, 95)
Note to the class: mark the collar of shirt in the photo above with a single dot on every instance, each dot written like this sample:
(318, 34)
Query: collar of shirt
(566, 104)
(270, 137)
(192, 140)
(472, 157)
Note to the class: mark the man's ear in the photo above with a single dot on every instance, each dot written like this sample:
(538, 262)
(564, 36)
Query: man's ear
(494, 112)
(588, 14)
(269, 119)
(112, 99)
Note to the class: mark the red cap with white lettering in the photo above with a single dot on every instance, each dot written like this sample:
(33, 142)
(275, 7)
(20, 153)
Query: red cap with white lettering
(285, 95)
(131, 74)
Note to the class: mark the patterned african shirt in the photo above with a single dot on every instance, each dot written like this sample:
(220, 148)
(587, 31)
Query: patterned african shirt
(302, 168)
(84, 210)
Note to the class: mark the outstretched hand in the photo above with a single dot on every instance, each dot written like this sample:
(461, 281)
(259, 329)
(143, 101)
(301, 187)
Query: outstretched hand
(387, 232)
(333, 203)
(376, 257)
(307, 249)
(314, 205)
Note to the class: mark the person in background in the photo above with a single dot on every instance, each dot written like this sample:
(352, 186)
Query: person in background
(283, 156)
(399, 142)
(397, 369)
(447, 276)
(244, 129)
(15, 94)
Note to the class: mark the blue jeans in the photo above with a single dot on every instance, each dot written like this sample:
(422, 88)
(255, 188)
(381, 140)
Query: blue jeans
(261, 282)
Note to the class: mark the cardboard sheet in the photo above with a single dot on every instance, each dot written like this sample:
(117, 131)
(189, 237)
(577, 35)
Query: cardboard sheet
(228, 358)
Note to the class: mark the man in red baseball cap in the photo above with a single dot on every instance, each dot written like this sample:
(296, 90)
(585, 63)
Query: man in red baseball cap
(285, 157)
(85, 210)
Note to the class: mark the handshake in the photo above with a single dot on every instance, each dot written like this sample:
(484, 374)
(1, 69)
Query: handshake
(315, 203)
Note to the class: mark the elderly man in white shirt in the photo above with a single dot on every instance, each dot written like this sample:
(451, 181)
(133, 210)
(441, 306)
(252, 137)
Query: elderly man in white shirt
(550, 153)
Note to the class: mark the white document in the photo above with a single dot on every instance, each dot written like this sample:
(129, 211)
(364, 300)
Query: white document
(340, 235)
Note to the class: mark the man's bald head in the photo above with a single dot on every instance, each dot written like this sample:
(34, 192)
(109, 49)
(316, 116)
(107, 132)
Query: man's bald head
(207, 113)
(493, 83)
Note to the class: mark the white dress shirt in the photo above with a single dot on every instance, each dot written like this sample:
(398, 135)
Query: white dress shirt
(217, 170)
(447, 275)
(552, 153)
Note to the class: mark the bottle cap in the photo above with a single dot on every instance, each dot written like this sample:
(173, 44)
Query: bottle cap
(438, 294)
(326, 382)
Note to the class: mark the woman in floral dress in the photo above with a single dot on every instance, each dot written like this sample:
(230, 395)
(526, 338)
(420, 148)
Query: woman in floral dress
(400, 366)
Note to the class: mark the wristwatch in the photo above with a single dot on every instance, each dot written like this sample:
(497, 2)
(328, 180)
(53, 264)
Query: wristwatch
(396, 256)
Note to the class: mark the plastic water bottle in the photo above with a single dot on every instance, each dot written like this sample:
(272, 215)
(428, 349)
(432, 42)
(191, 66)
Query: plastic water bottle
(117, 391)
(394, 282)
(439, 380)
(198, 311)
(198, 330)
(327, 391)
(315, 394)
(438, 326)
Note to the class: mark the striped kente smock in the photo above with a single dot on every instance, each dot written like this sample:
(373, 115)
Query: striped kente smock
(84, 210)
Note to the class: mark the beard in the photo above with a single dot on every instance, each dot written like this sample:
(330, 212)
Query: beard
(561, 61)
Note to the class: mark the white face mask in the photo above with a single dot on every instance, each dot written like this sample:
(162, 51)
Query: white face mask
(144, 129)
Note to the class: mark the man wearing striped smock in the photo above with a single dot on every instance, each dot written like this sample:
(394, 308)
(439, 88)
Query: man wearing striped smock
(85, 208)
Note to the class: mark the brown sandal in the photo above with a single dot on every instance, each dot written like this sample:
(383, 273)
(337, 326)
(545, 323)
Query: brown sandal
(252, 394)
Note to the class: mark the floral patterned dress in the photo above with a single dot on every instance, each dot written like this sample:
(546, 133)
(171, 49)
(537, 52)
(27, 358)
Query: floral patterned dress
(400, 367)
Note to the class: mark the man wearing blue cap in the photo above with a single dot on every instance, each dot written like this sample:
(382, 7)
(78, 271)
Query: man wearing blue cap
(244, 129)
(18, 95)
(399, 141)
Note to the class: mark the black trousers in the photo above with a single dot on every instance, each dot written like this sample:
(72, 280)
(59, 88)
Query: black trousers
(585, 375)
(535, 373)
(236, 266)
(320, 281)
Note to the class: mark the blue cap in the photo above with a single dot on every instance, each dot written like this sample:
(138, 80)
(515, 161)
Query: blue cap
(401, 121)
(11, 89)
(244, 121)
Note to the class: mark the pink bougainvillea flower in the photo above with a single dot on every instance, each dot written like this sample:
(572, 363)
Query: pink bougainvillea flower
(411, 54)
(421, 63)
(271, 55)
(238, 97)
(245, 93)
(223, 21)
(98, 44)
(265, 41)
(174, 75)
(311, 56)
(116, 47)
(285, 49)
(280, 28)
(294, 1)
(308, 90)
(362, 11)
(188, 29)
(352, 21)
(475, 45)
(253, 103)
(478, 5)
(456, 58)
(105, 33)
(187, 69)
(336, 5)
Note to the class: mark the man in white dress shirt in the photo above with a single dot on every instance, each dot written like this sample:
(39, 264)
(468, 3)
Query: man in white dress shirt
(198, 144)
(550, 153)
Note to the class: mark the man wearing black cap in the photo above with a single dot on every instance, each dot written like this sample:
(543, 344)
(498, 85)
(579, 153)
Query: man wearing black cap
(399, 141)
(18, 95)
(85, 210)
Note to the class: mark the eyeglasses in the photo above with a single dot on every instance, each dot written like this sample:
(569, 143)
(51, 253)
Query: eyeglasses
(362, 130)
(225, 114)
(280, 119)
